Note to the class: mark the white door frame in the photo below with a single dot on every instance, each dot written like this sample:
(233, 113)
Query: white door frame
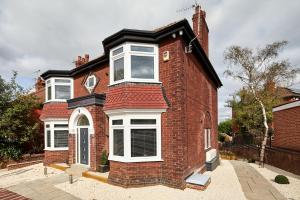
(74, 129)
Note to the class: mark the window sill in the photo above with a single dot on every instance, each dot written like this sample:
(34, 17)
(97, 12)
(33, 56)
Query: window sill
(56, 100)
(135, 160)
(135, 81)
(57, 149)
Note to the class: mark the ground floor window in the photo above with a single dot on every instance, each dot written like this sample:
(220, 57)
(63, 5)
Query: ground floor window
(135, 137)
(207, 135)
(56, 135)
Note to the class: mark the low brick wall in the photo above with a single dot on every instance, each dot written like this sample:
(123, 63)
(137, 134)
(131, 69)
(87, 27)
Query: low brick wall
(26, 160)
(56, 157)
(284, 159)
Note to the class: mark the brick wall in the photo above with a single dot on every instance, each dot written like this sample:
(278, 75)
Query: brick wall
(284, 159)
(192, 100)
(134, 174)
(101, 72)
(98, 140)
(287, 128)
(55, 157)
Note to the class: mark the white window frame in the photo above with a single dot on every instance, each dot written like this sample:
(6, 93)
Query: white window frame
(52, 129)
(126, 54)
(90, 88)
(51, 82)
(207, 138)
(126, 116)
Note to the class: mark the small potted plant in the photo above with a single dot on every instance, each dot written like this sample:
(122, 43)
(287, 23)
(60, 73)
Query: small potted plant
(104, 162)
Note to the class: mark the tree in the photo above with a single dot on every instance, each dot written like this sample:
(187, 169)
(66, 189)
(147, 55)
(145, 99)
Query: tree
(258, 69)
(225, 127)
(18, 126)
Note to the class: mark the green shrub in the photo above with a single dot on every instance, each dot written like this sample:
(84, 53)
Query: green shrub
(104, 158)
(221, 137)
(251, 160)
(10, 153)
(281, 179)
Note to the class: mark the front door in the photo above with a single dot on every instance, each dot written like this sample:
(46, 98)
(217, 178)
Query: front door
(84, 146)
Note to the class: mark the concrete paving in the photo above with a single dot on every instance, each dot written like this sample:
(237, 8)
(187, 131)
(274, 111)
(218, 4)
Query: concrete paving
(44, 189)
(254, 185)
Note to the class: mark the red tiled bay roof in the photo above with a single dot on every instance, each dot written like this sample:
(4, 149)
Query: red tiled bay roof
(54, 110)
(135, 97)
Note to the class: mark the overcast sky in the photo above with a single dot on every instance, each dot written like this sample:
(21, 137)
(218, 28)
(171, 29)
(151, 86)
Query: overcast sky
(41, 35)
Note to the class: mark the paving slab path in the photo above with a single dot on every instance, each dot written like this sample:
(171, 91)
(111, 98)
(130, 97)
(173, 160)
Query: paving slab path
(254, 185)
(43, 189)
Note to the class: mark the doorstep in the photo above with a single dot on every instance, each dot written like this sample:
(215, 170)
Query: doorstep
(102, 177)
(198, 181)
(60, 166)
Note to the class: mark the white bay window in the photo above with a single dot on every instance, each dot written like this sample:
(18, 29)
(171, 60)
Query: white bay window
(56, 135)
(134, 62)
(135, 136)
(59, 89)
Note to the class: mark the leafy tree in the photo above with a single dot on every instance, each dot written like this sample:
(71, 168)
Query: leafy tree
(256, 70)
(19, 128)
(225, 127)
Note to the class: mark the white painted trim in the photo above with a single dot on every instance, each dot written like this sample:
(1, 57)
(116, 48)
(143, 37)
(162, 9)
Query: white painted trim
(90, 88)
(126, 116)
(73, 129)
(74, 119)
(52, 83)
(54, 119)
(52, 129)
(287, 106)
(140, 111)
(126, 54)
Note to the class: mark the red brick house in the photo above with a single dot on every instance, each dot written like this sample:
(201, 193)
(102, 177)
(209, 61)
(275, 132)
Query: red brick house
(286, 121)
(150, 100)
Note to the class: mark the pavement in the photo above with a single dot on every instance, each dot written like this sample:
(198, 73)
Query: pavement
(44, 189)
(254, 185)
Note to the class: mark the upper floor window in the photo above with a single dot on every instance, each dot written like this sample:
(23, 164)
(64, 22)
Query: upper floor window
(134, 62)
(59, 89)
(90, 82)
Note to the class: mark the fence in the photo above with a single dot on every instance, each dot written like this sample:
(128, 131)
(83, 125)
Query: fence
(284, 159)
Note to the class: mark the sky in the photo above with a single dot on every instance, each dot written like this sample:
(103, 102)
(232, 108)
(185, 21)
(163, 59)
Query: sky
(37, 35)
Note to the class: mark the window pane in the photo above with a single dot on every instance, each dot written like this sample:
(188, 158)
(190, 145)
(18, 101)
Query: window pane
(83, 121)
(142, 67)
(141, 48)
(117, 122)
(62, 81)
(119, 69)
(91, 82)
(61, 138)
(49, 93)
(47, 125)
(48, 138)
(143, 142)
(62, 92)
(60, 125)
(117, 51)
(143, 121)
(118, 142)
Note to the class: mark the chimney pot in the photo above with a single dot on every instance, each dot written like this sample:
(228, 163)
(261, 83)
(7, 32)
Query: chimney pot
(200, 28)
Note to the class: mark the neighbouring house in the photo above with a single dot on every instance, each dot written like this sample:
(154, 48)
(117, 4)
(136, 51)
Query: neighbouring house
(150, 101)
(286, 121)
(283, 94)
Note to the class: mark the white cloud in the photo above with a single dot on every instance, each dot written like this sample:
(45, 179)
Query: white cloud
(40, 35)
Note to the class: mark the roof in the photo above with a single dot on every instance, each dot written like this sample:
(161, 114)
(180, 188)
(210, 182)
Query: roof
(135, 96)
(288, 92)
(145, 36)
(286, 106)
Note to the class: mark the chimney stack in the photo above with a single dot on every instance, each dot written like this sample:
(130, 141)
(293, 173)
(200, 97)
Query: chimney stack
(80, 60)
(200, 28)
